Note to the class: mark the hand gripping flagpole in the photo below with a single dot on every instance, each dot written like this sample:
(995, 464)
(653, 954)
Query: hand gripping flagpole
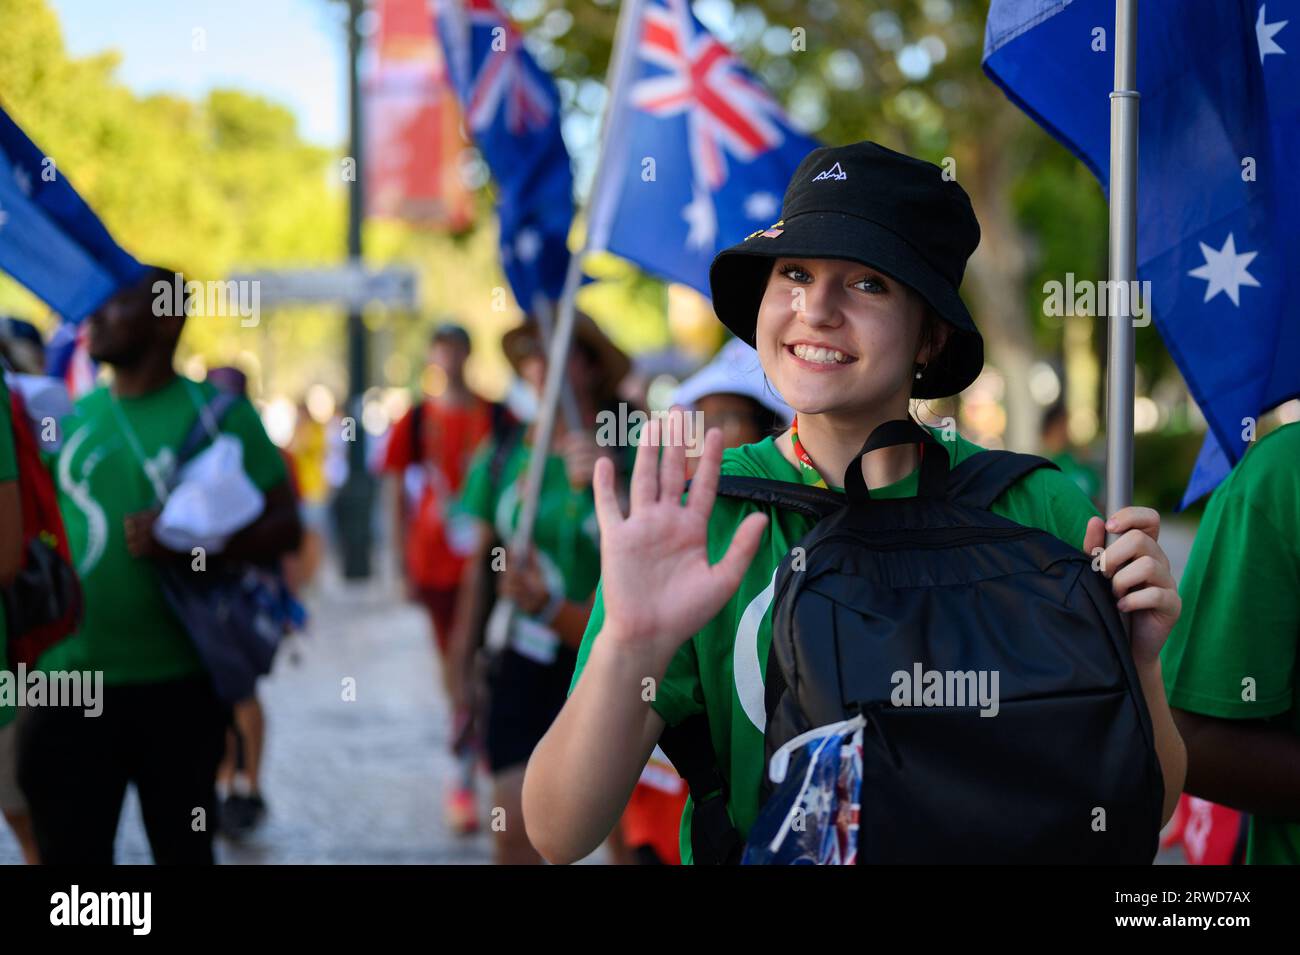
(620, 63)
(1123, 260)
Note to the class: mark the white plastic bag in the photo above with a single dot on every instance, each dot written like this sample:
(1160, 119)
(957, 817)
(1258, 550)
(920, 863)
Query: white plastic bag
(213, 500)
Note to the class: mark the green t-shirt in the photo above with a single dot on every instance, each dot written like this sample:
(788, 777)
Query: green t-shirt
(1086, 477)
(721, 669)
(565, 532)
(1241, 611)
(128, 630)
(8, 472)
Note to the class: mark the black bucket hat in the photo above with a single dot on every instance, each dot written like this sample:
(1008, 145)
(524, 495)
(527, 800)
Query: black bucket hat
(868, 204)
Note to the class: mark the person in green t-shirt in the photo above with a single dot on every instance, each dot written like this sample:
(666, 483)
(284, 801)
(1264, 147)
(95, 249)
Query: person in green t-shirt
(850, 319)
(551, 589)
(1230, 664)
(162, 727)
(1055, 436)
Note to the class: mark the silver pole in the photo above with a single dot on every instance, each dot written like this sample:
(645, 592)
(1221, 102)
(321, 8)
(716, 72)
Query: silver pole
(1123, 260)
(558, 345)
(544, 311)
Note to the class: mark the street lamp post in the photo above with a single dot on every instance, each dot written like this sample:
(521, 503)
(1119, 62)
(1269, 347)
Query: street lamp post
(354, 505)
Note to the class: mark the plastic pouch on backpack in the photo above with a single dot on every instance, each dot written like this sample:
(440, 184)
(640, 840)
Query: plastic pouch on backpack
(812, 815)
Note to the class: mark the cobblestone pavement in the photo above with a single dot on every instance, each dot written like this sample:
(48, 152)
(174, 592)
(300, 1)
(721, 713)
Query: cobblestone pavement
(362, 781)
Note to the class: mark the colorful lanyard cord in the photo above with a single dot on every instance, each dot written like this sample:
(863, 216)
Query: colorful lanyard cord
(810, 473)
(156, 478)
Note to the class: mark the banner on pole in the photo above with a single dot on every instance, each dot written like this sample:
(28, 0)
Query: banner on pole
(415, 151)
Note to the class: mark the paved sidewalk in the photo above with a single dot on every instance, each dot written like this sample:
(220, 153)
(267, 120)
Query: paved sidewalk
(346, 782)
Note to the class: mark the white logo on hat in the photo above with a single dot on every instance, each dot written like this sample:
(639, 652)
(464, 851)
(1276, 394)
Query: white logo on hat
(835, 172)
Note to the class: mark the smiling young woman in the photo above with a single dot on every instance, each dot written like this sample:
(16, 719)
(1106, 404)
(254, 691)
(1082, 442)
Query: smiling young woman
(851, 302)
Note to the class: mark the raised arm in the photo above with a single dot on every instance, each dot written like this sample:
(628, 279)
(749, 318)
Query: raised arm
(659, 589)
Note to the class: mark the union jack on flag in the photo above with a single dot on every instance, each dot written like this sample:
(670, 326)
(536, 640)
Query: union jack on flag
(513, 111)
(509, 76)
(699, 152)
(725, 109)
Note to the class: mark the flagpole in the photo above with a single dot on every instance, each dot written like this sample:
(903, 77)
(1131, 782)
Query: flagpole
(543, 310)
(620, 62)
(1123, 260)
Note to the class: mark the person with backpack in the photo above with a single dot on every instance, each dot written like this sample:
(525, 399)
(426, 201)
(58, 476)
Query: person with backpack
(551, 587)
(428, 453)
(40, 600)
(12, 803)
(163, 725)
(713, 608)
(731, 394)
(242, 806)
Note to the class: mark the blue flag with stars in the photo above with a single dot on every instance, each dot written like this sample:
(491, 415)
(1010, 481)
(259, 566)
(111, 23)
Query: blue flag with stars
(512, 110)
(1217, 208)
(50, 240)
(701, 154)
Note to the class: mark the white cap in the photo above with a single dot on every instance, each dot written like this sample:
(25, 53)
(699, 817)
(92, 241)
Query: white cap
(735, 370)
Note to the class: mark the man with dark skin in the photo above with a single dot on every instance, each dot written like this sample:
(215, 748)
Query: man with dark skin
(140, 347)
(162, 727)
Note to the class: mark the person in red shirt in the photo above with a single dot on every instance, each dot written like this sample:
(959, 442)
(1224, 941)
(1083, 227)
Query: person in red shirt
(428, 452)
(451, 420)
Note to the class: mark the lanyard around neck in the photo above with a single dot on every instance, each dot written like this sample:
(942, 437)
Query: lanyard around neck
(810, 473)
(150, 467)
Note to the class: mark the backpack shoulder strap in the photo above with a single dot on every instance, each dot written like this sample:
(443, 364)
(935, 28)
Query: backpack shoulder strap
(982, 478)
(689, 747)
(209, 418)
(503, 445)
(417, 431)
(815, 502)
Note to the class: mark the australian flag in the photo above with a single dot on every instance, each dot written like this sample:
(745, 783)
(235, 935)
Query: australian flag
(1217, 207)
(512, 110)
(699, 153)
(50, 240)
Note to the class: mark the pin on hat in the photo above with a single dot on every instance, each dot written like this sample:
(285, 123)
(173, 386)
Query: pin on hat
(888, 211)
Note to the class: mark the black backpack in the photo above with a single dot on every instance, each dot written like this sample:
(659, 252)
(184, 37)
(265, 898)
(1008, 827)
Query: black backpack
(1065, 772)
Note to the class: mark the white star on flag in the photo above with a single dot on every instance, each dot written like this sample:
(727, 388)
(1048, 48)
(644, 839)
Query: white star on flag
(703, 221)
(23, 180)
(1225, 270)
(527, 244)
(761, 206)
(4, 217)
(1264, 33)
(820, 802)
